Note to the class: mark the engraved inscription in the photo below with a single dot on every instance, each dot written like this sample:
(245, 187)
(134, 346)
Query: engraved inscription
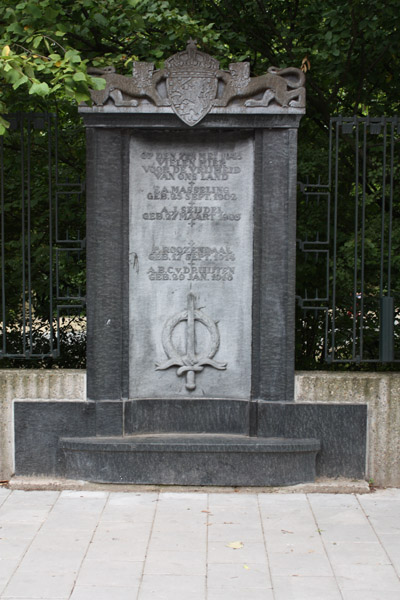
(191, 213)
(191, 253)
(191, 231)
(162, 273)
(191, 166)
(191, 193)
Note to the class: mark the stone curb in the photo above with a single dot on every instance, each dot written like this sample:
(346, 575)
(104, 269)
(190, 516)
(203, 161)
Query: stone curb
(321, 486)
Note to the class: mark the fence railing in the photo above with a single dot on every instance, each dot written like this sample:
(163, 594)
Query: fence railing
(349, 244)
(42, 227)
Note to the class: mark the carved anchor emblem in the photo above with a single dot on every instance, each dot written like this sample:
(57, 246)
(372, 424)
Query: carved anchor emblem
(190, 363)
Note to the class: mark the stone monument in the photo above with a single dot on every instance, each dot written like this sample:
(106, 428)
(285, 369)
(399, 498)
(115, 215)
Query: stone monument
(191, 217)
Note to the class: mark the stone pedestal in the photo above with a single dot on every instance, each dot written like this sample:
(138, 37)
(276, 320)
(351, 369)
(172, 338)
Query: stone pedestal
(191, 268)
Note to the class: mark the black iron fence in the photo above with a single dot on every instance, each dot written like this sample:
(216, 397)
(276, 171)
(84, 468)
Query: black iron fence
(42, 240)
(348, 264)
(349, 247)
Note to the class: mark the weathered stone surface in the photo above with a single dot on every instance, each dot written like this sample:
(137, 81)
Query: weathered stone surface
(191, 83)
(38, 427)
(191, 459)
(342, 430)
(181, 415)
(381, 392)
(31, 384)
(191, 245)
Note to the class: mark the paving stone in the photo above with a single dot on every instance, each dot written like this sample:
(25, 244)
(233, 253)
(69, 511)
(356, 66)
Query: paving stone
(357, 553)
(235, 576)
(4, 493)
(84, 494)
(299, 565)
(27, 583)
(27, 507)
(117, 549)
(238, 594)
(175, 563)
(230, 532)
(369, 595)
(7, 568)
(306, 588)
(172, 587)
(363, 577)
(110, 572)
(254, 552)
(13, 548)
(104, 592)
(235, 500)
(184, 542)
(391, 544)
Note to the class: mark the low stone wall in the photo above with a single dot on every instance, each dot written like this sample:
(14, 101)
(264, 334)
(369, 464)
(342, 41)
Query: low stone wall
(381, 392)
(32, 384)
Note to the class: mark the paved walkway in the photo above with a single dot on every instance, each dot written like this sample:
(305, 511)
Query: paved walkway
(99, 545)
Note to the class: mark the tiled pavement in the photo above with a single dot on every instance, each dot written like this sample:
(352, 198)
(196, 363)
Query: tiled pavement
(98, 545)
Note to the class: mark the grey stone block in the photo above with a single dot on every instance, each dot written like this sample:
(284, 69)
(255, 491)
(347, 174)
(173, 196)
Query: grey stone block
(38, 427)
(191, 459)
(342, 430)
(197, 416)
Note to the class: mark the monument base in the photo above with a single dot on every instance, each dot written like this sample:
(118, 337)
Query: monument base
(190, 459)
(190, 442)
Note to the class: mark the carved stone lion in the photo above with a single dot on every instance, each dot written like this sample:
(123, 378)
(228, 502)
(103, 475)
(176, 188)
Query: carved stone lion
(273, 85)
(126, 91)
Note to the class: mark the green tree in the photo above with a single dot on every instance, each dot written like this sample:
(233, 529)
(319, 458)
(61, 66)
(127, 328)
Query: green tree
(348, 48)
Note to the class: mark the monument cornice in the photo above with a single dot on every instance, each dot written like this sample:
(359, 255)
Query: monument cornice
(192, 86)
(131, 118)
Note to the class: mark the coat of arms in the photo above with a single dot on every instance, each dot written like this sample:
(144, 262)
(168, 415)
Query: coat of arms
(191, 83)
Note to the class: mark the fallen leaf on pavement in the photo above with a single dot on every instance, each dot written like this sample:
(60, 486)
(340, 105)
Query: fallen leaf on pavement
(235, 545)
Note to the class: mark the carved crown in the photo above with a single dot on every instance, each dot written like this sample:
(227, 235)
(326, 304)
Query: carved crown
(191, 61)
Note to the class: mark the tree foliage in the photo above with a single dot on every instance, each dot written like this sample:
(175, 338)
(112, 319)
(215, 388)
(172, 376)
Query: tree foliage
(349, 50)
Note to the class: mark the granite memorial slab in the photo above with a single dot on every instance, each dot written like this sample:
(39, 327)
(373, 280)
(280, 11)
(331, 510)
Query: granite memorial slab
(190, 247)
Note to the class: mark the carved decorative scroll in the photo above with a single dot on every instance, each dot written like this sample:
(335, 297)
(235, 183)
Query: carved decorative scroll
(191, 363)
(191, 83)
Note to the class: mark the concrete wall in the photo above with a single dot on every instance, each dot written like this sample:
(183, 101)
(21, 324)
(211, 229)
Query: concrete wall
(30, 384)
(381, 392)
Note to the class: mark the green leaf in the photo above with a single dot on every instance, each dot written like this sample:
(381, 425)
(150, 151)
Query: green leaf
(97, 83)
(22, 80)
(15, 28)
(34, 10)
(81, 97)
(79, 76)
(41, 89)
(73, 56)
(37, 40)
(100, 19)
